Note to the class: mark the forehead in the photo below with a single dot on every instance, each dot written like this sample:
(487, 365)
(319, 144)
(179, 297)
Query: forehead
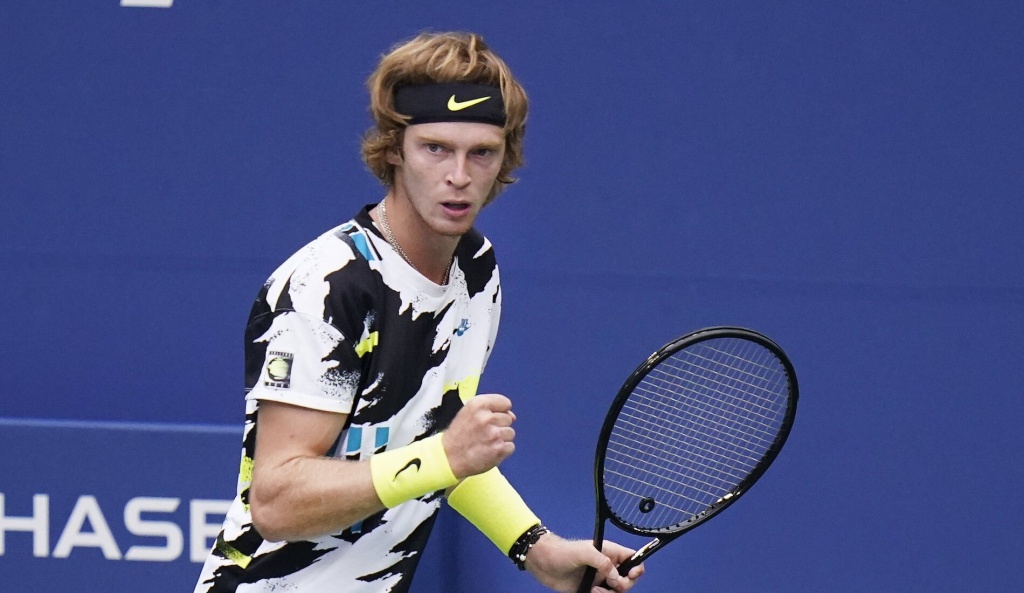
(457, 133)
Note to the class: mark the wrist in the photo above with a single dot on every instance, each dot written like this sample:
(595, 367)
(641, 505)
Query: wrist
(494, 507)
(412, 471)
(538, 554)
(453, 461)
(530, 539)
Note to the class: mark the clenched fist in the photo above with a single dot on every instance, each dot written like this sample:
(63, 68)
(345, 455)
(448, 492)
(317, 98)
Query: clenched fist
(480, 437)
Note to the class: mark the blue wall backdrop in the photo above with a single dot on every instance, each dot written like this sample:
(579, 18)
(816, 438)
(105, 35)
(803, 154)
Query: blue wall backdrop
(843, 176)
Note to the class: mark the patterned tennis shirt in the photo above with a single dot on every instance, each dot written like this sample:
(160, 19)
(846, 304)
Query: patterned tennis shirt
(345, 325)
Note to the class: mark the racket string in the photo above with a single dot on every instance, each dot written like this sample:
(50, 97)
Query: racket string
(720, 422)
(677, 475)
(665, 415)
(681, 451)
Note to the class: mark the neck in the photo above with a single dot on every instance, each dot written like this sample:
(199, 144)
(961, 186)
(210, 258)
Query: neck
(431, 254)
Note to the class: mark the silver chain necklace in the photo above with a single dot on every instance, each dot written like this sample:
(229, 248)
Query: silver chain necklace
(390, 237)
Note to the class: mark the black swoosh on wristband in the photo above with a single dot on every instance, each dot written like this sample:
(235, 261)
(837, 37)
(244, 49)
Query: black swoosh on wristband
(414, 462)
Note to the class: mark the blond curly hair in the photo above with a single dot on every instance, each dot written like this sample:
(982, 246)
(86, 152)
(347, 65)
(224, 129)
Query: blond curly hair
(440, 58)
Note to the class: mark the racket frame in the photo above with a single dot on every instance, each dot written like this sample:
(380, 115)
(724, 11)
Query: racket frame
(665, 535)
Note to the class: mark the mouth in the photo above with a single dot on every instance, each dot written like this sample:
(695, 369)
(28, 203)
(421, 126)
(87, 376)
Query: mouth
(456, 207)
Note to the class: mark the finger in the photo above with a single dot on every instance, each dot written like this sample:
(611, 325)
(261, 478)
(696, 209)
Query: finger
(616, 552)
(607, 574)
(630, 579)
(607, 587)
(506, 451)
(502, 419)
(508, 434)
(494, 402)
(614, 581)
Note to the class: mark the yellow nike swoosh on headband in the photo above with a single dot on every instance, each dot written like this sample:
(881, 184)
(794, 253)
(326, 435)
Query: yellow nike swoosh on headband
(454, 105)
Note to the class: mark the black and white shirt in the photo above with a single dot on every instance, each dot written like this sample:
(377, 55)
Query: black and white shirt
(346, 325)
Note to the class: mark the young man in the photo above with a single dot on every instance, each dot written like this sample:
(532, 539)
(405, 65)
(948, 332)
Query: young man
(364, 351)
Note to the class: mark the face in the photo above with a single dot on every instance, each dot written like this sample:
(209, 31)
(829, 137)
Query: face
(444, 174)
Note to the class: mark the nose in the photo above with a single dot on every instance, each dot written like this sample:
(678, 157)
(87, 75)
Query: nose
(458, 176)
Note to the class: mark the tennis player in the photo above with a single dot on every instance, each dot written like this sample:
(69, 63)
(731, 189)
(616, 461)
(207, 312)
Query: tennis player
(364, 350)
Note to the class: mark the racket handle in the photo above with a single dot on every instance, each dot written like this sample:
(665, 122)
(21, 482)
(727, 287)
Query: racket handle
(623, 569)
(588, 579)
(628, 565)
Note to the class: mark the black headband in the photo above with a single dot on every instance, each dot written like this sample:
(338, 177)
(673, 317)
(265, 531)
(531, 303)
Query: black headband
(456, 101)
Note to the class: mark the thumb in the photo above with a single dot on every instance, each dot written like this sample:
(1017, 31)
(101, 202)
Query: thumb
(606, 569)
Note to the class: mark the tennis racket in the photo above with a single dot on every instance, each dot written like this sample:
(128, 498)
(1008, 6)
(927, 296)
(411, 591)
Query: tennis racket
(690, 431)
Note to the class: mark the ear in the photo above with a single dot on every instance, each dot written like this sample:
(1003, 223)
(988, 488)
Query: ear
(394, 156)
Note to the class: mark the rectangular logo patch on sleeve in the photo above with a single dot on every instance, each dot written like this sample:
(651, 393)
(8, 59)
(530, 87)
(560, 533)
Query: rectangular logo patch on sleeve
(279, 369)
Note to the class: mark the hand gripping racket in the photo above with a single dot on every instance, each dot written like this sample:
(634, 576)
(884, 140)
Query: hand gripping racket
(689, 433)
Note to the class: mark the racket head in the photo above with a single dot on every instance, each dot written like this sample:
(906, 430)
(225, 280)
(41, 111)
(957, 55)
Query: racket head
(692, 429)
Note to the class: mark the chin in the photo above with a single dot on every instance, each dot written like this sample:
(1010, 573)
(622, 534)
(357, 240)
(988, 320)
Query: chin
(454, 231)
(452, 228)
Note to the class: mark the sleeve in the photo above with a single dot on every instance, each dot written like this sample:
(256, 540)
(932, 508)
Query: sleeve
(308, 363)
(303, 347)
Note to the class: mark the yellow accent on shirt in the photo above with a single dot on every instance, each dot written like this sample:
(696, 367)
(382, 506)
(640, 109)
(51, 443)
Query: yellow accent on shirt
(367, 344)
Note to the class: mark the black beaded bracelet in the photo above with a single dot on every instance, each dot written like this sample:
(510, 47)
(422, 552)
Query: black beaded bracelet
(519, 549)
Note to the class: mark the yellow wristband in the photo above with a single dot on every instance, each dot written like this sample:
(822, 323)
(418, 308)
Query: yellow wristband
(494, 507)
(410, 472)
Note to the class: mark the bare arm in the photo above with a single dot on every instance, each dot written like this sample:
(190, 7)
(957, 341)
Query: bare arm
(298, 493)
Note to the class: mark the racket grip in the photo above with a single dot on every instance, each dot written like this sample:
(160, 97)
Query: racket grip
(623, 568)
(628, 565)
(588, 575)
